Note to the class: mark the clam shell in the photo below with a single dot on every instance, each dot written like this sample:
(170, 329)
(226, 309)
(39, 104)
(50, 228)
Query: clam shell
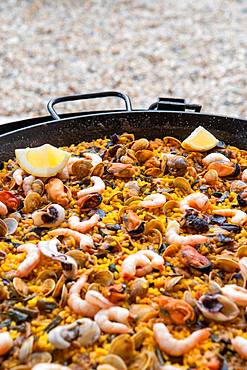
(38, 186)
(48, 286)
(3, 228)
(40, 357)
(182, 184)
(59, 286)
(82, 168)
(169, 140)
(138, 288)
(123, 346)
(20, 287)
(170, 283)
(104, 278)
(26, 349)
(142, 312)
(47, 274)
(226, 264)
(154, 172)
(115, 361)
(242, 251)
(155, 237)
(140, 144)
(98, 169)
(229, 310)
(64, 296)
(154, 224)
(170, 205)
(145, 360)
(79, 256)
(32, 202)
(138, 338)
(143, 155)
(11, 224)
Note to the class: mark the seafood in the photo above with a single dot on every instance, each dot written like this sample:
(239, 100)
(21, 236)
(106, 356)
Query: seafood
(217, 307)
(173, 237)
(3, 209)
(6, 343)
(95, 158)
(89, 201)
(175, 311)
(50, 216)
(10, 200)
(30, 262)
(83, 226)
(175, 347)
(122, 170)
(18, 176)
(238, 217)
(136, 265)
(244, 176)
(97, 299)
(156, 260)
(45, 366)
(98, 187)
(243, 268)
(197, 201)
(56, 192)
(86, 241)
(113, 320)
(240, 346)
(214, 157)
(236, 293)
(27, 184)
(189, 256)
(153, 201)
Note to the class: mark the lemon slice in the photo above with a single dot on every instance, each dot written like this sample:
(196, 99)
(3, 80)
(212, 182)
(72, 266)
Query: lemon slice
(43, 161)
(200, 140)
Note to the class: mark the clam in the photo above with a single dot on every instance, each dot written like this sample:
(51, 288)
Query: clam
(126, 159)
(3, 228)
(177, 165)
(122, 170)
(131, 200)
(104, 278)
(155, 237)
(20, 287)
(142, 312)
(171, 250)
(115, 361)
(182, 184)
(226, 263)
(10, 200)
(171, 282)
(16, 215)
(217, 307)
(153, 162)
(38, 186)
(153, 172)
(172, 141)
(123, 346)
(140, 144)
(47, 274)
(11, 224)
(146, 360)
(32, 202)
(40, 357)
(138, 288)
(79, 256)
(143, 155)
(59, 286)
(154, 224)
(48, 286)
(117, 194)
(242, 251)
(26, 349)
(64, 296)
(82, 168)
(49, 216)
(170, 205)
(237, 186)
(89, 201)
(98, 170)
(211, 177)
(139, 337)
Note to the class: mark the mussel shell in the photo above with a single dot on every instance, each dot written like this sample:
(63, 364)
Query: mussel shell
(89, 201)
(191, 258)
(242, 198)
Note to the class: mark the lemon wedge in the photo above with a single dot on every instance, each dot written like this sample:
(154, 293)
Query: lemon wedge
(200, 140)
(43, 161)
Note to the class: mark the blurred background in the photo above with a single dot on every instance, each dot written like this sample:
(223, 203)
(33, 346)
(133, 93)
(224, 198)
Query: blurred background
(191, 49)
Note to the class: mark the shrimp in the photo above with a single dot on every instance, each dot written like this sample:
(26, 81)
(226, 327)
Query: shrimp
(244, 175)
(6, 343)
(197, 201)
(98, 187)
(56, 192)
(240, 346)
(27, 183)
(97, 299)
(176, 347)
(243, 268)
(86, 241)
(214, 157)
(3, 209)
(236, 294)
(17, 176)
(173, 237)
(238, 217)
(96, 159)
(120, 316)
(156, 260)
(30, 262)
(46, 366)
(136, 265)
(83, 226)
(76, 303)
(170, 367)
(153, 201)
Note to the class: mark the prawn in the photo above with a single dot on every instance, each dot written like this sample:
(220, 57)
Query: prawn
(178, 347)
(95, 158)
(173, 237)
(214, 157)
(3, 209)
(56, 192)
(153, 201)
(76, 303)
(120, 316)
(6, 343)
(197, 201)
(236, 293)
(240, 346)
(136, 265)
(243, 268)
(27, 183)
(30, 262)
(18, 176)
(238, 217)
(97, 299)
(98, 187)
(244, 175)
(156, 260)
(46, 366)
(83, 226)
(86, 241)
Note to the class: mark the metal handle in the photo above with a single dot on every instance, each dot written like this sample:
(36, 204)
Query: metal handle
(175, 105)
(103, 94)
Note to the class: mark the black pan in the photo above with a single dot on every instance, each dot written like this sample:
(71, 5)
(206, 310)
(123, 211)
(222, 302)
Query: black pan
(166, 117)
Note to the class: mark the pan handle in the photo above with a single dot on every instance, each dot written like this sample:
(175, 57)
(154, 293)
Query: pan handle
(174, 105)
(104, 94)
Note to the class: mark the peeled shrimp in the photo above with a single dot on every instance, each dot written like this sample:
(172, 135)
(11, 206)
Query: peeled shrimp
(236, 294)
(86, 241)
(76, 303)
(136, 265)
(153, 201)
(56, 192)
(83, 226)
(240, 346)
(27, 183)
(238, 217)
(30, 262)
(6, 343)
(198, 201)
(214, 157)
(96, 159)
(98, 187)
(17, 176)
(119, 315)
(156, 260)
(177, 347)
(46, 366)
(243, 268)
(244, 175)
(173, 237)
(3, 209)
(97, 299)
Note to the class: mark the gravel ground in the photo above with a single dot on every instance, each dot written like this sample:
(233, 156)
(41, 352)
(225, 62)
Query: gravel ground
(191, 49)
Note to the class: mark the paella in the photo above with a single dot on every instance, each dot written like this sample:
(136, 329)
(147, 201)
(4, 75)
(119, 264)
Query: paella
(124, 253)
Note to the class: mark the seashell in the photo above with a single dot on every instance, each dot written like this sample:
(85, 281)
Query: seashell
(64, 296)
(49, 216)
(153, 162)
(142, 312)
(89, 201)
(82, 168)
(126, 159)
(190, 257)
(155, 237)
(176, 165)
(16, 215)
(242, 251)
(171, 250)
(20, 287)
(211, 177)
(11, 224)
(115, 361)
(133, 224)
(117, 194)
(26, 349)
(138, 288)
(146, 360)
(123, 346)
(154, 224)
(182, 184)
(189, 298)
(48, 286)
(131, 200)
(38, 186)
(32, 202)
(139, 337)
(143, 155)
(10, 200)
(237, 186)
(122, 170)
(3, 228)
(59, 286)
(170, 205)
(98, 170)
(104, 278)
(79, 256)
(121, 212)
(47, 274)
(217, 307)
(170, 283)
(40, 357)
(175, 311)
(172, 141)
(226, 263)
(154, 172)
(140, 144)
